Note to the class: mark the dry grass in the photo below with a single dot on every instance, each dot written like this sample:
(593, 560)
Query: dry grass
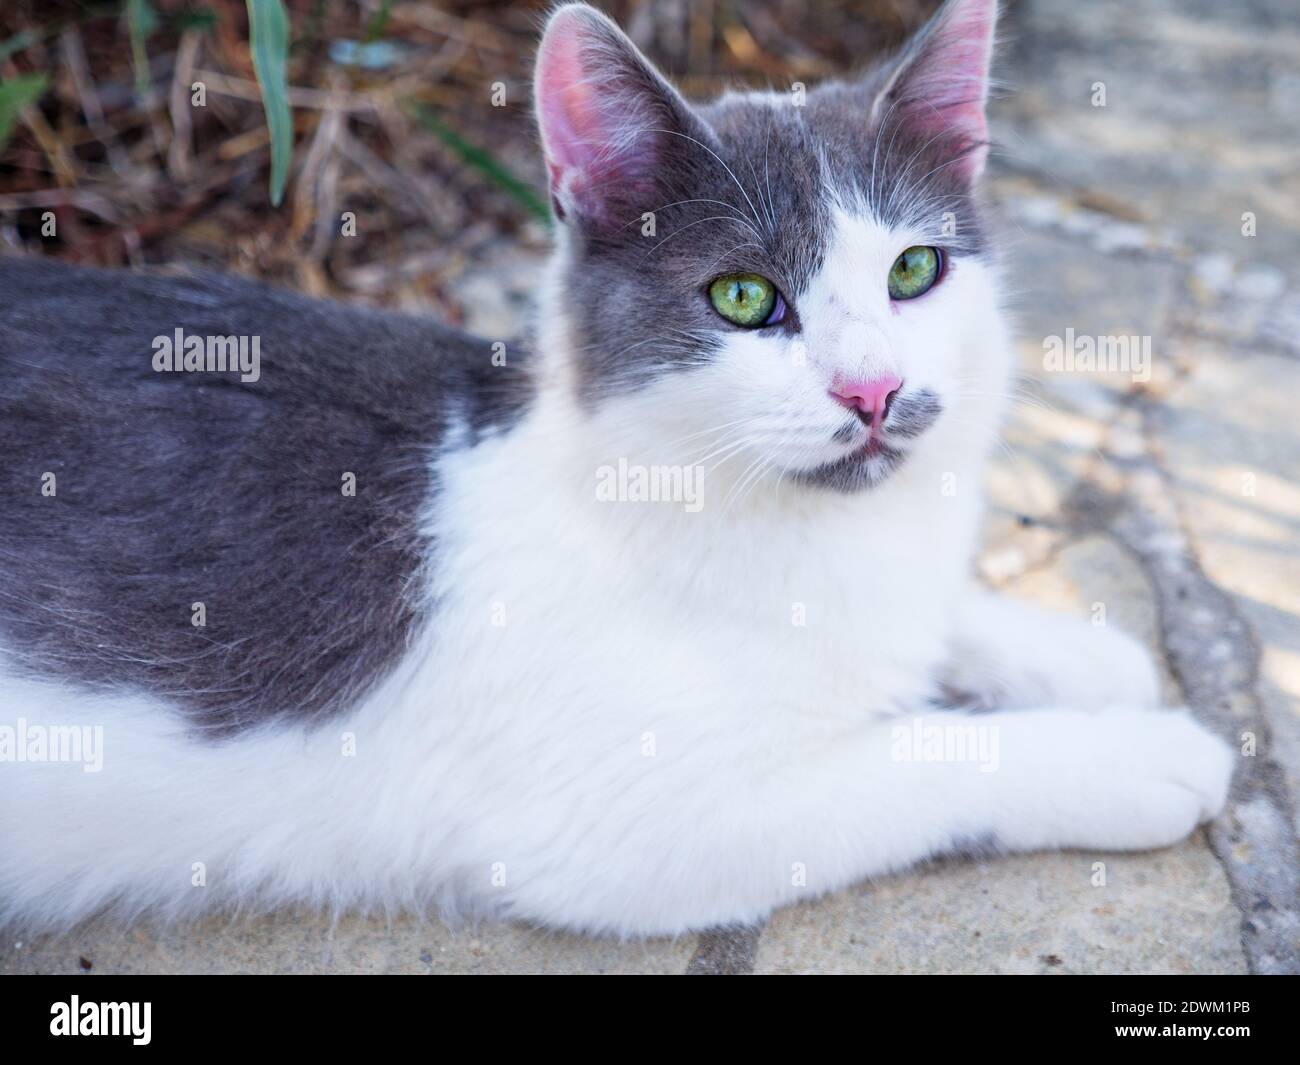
(132, 172)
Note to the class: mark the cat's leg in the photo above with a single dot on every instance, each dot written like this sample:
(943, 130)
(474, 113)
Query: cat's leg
(1007, 654)
(701, 841)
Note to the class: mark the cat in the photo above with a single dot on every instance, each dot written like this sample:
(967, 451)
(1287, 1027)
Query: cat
(658, 622)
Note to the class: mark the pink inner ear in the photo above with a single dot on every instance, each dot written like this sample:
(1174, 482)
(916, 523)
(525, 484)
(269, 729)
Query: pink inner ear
(947, 85)
(589, 113)
(565, 104)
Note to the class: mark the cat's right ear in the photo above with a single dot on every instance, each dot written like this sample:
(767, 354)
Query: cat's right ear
(939, 85)
(608, 120)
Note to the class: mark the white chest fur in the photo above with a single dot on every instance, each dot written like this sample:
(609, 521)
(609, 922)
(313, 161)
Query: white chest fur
(790, 599)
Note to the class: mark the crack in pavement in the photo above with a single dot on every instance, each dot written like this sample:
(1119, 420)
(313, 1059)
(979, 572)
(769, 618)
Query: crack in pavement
(727, 951)
(1214, 656)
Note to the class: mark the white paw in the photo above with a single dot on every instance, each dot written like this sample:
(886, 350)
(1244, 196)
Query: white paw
(1110, 668)
(1157, 775)
(1068, 664)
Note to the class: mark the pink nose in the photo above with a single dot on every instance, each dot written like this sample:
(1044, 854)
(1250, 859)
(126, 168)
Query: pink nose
(870, 398)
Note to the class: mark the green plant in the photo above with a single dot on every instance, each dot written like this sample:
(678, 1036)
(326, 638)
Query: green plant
(484, 162)
(16, 94)
(268, 32)
(141, 21)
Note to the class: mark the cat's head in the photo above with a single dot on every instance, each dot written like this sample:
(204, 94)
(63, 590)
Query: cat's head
(794, 281)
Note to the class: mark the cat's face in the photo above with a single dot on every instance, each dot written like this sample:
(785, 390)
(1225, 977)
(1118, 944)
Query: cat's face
(786, 282)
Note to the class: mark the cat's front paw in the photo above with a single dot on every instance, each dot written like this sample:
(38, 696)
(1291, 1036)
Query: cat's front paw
(1052, 660)
(1111, 668)
(1159, 774)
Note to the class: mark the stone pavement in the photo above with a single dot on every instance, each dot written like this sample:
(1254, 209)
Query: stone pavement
(1173, 503)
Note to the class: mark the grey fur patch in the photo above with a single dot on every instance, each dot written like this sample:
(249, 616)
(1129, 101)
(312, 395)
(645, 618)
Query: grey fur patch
(177, 488)
(913, 413)
(983, 846)
(910, 176)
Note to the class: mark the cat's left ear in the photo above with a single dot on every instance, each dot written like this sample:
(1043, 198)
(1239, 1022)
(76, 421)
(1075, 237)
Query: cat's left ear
(938, 85)
(614, 131)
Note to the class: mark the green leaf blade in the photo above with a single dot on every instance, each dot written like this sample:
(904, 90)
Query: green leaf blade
(16, 94)
(482, 160)
(268, 31)
(141, 20)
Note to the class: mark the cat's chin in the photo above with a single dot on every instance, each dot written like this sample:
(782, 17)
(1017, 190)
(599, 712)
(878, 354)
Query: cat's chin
(865, 467)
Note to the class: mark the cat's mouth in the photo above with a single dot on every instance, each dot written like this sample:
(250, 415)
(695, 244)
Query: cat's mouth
(906, 417)
(874, 452)
(867, 440)
(869, 463)
(875, 447)
(877, 456)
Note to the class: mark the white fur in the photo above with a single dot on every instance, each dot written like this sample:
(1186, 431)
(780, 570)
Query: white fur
(650, 742)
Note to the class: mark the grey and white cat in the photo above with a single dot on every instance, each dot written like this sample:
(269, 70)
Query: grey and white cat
(489, 680)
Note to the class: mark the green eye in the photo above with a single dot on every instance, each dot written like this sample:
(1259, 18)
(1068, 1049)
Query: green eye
(745, 299)
(914, 273)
